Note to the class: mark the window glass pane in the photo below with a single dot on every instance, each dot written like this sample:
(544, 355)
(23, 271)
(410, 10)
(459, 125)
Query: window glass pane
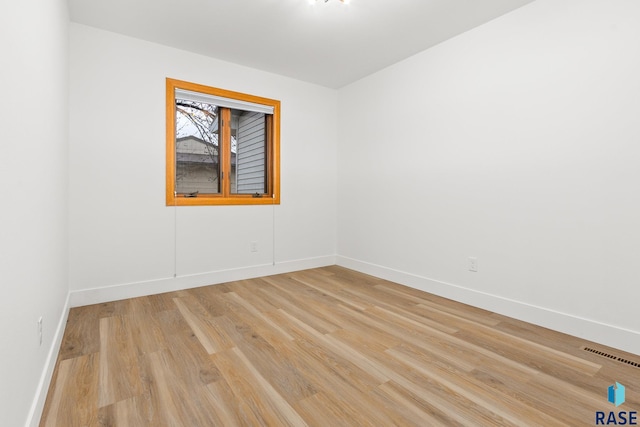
(197, 148)
(248, 152)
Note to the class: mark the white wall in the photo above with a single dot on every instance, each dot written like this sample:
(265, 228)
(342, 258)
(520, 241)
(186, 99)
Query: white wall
(517, 143)
(124, 240)
(33, 196)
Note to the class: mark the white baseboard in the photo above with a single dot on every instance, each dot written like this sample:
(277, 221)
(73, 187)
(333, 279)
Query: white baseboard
(138, 289)
(612, 336)
(35, 413)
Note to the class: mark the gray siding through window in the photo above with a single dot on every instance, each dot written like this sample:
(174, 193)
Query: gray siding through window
(250, 160)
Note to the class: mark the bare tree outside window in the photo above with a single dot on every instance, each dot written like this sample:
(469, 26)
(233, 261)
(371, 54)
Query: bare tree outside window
(197, 147)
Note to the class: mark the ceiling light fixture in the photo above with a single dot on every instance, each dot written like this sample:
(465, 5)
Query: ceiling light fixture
(327, 1)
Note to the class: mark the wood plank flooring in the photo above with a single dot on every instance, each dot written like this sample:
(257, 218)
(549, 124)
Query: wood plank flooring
(323, 347)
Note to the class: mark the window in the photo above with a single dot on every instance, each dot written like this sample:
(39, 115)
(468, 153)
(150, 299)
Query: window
(223, 147)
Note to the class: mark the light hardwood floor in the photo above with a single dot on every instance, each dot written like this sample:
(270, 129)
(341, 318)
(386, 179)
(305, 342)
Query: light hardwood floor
(323, 347)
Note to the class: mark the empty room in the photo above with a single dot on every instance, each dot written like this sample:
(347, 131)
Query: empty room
(322, 213)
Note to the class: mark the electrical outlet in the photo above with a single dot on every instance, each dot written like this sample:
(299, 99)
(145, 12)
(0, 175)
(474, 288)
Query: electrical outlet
(40, 330)
(473, 264)
(253, 246)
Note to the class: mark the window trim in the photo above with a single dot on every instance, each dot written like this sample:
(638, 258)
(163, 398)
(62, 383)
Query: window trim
(271, 197)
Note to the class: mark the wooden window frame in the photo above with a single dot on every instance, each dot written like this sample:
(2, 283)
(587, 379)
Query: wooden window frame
(225, 197)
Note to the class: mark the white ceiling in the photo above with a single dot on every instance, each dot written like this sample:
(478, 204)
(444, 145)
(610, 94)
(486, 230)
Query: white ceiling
(330, 44)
